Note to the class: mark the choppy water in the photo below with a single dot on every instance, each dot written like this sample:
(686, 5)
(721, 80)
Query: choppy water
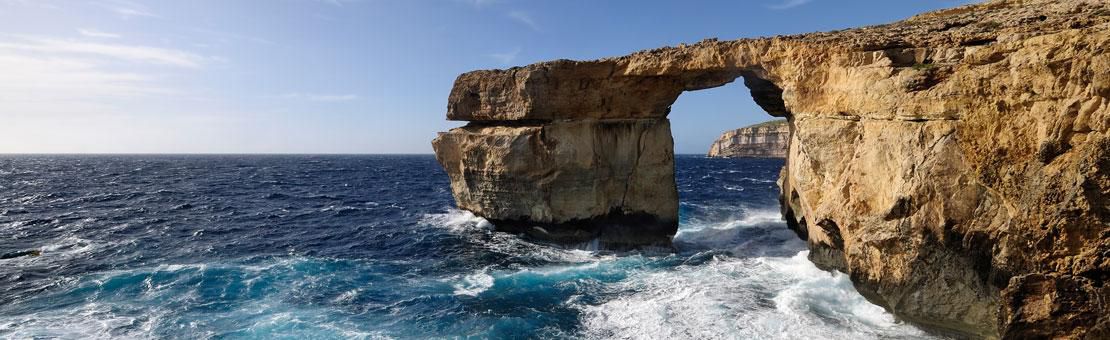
(370, 247)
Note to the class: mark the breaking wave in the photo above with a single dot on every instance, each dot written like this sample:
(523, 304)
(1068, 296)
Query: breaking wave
(366, 247)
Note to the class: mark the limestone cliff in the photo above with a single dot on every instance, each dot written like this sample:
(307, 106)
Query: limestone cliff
(955, 164)
(765, 140)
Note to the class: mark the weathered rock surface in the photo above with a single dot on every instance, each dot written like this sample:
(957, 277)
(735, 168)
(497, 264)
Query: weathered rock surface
(567, 180)
(764, 140)
(956, 164)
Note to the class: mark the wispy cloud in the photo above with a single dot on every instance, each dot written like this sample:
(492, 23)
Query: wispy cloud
(478, 3)
(97, 34)
(132, 12)
(40, 75)
(38, 84)
(786, 4)
(505, 58)
(524, 18)
(52, 79)
(321, 97)
(128, 9)
(131, 53)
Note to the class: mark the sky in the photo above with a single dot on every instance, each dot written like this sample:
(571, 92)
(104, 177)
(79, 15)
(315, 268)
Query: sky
(341, 76)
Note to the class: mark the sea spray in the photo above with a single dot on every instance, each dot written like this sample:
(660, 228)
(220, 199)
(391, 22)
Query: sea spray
(369, 247)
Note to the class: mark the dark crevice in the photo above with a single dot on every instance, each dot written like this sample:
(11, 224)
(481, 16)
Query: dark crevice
(978, 42)
(832, 230)
(615, 230)
(765, 94)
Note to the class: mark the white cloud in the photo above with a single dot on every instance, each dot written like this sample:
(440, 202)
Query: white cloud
(321, 97)
(132, 12)
(131, 53)
(60, 85)
(128, 9)
(505, 58)
(524, 18)
(53, 76)
(789, 4)
(97, 34)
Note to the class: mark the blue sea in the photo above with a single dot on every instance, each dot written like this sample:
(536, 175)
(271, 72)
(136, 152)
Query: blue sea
(371, 247)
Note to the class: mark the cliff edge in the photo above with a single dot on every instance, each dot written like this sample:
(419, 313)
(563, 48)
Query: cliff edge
(956, 165)
(764, 140)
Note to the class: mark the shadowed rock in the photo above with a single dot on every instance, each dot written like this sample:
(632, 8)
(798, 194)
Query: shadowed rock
(22, 253)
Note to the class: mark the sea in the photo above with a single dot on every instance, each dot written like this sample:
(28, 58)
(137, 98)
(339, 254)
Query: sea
(372, 247)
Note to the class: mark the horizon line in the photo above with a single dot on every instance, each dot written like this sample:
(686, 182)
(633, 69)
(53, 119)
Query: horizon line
(234, 154)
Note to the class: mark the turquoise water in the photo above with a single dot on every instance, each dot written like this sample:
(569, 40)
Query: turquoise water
(371, 247)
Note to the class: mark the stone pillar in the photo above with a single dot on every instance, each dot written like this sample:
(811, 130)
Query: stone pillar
(567, 181)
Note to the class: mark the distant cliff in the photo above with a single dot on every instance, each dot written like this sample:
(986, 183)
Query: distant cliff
(768, 139)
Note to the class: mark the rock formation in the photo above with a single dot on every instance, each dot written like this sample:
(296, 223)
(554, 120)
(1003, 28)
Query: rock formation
(956, 165)
(766, 140)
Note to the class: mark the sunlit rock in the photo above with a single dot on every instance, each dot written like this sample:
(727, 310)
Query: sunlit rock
(956, 164)
(764, 140)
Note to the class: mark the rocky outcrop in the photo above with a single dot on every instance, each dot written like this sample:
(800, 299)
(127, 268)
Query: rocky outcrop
(765, 140)
(568, 181)
(956, 165)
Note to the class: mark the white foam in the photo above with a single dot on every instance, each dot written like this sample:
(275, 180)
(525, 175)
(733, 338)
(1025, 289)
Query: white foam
(477, 230)
(347, 296)
(456, 220)
(722, 235)
(759, 180)
(60, 250)
(474, 284)
(90, 321)
(751, 298)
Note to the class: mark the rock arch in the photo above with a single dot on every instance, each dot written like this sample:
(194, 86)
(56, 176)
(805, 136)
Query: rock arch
(573, 150)
(956, 164)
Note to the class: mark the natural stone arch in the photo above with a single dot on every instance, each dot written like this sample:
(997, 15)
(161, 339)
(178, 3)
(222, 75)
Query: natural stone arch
(574, 151)
(956, 165)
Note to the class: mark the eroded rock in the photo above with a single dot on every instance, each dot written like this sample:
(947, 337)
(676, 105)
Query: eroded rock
(956, 164)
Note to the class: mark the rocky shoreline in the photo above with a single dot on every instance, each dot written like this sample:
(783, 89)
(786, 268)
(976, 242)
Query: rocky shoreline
(956, 165)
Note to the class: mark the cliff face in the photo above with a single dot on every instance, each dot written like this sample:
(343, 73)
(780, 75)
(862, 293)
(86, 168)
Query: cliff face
(566, 181)
(956, 164)
(766, 140)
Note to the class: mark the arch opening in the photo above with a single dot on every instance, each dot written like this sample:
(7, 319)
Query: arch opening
(721, 106)
(556, 152)
(730, 120)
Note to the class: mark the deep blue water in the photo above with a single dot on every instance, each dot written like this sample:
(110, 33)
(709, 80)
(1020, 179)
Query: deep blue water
(371, 247)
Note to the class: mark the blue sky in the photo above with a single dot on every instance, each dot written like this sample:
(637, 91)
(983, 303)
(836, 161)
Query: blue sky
(339, 76)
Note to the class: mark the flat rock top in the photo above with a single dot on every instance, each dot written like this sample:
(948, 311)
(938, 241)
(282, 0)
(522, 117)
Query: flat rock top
(965, 25)
(777, 123)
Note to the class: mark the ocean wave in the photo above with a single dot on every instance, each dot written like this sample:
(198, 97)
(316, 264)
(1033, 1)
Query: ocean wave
(754, 298)
(474, 284)
(260, 299)
(205, 254)
(61, 250)
(87, 321)
(456, 220)
(758, 180)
